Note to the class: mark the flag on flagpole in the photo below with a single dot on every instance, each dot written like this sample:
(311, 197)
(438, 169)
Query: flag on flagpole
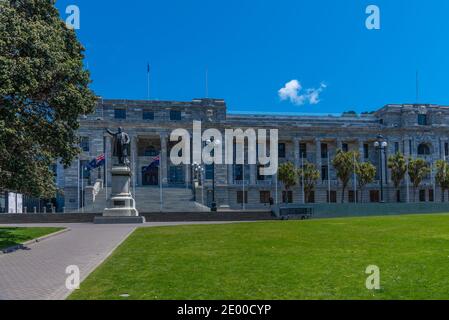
(96, 163)
(153, 164)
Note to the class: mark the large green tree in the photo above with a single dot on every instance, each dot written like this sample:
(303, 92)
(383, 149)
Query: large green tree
(442, 176)
(366, 172)
(345, 164)
(398, 167)
(44, 88)
(418, 169)
(288, 175)
(308, 175)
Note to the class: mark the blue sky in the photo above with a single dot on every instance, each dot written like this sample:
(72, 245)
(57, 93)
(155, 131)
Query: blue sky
(251, 49)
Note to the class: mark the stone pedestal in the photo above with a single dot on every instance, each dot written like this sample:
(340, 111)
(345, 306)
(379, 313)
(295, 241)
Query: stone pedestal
(121, 206)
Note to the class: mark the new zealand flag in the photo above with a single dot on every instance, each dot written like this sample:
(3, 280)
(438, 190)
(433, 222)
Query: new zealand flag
(97, 162)
(154, 163)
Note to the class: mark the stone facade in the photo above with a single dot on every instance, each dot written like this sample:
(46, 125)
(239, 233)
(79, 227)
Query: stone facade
(414, 130)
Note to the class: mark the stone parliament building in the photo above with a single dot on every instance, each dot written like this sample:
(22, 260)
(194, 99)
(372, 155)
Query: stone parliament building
(414, 130)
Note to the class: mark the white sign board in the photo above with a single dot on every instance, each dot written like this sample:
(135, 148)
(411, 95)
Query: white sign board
(19, 207)
(12, 204)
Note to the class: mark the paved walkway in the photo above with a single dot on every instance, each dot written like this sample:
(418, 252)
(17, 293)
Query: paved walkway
(38, 273)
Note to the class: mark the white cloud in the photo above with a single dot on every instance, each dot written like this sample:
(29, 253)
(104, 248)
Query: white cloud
(293, 91)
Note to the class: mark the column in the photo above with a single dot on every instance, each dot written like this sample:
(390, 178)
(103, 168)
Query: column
(318, 154)
(109, 159)
(134, 164)
(407, 147)
(296, 150)
(164, 161)
(339, 144)
(361, 150)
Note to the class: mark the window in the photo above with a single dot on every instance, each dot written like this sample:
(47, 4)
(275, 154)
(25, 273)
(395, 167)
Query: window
(281, 150)
(84, 144)
(333, 196)
(287, 196)
(431, 195)
(422, 195)
(265, 196)
(366, 151)
(324, 151)
(175, 115)
(398, 196)
(303, 150)
(351, 196)
(446, 149)
(345, 147)
(120, 113)
(210, 171)
(324, 173)
(396, 147)
(150, 151)
(423, 149)
(422, 119)
(147, 115)
(374, 196)
(311, 197)
(84, 169)
(240, 195)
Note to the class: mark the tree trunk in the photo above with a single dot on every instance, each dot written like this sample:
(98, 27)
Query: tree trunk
(442, 194)
(343, 194)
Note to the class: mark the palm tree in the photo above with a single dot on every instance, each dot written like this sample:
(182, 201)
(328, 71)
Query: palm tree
(398, 167)
(366, 173)
(344, 165)
(417, 170)
(308, 175)
(288, 175)
(442, 176)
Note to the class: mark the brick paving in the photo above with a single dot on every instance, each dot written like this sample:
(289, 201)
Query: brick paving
(38, 272)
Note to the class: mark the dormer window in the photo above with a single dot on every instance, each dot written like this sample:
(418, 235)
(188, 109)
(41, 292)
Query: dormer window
(422, 119)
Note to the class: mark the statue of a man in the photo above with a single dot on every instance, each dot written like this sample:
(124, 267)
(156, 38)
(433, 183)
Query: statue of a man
(120, 145)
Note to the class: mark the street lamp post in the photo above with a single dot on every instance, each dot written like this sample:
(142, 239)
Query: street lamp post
(214, 143)
(198, 170)
(381, 145)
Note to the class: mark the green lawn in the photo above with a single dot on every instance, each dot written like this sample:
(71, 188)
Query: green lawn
(315, 259)
(14, 236)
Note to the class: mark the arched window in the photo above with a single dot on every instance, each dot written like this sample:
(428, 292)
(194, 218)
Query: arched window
(423, 149)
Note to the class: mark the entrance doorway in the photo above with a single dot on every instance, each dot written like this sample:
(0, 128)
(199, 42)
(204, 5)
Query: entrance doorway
(150, 177)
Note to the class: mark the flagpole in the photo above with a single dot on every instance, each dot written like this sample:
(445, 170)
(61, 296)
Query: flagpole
(82, 189)
(105, 169)
(355, 180)
(328, 179)
(160, 182)
(148, 81)
(79, 204)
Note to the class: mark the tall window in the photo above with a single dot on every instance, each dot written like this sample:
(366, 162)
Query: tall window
(84, 144)
(324, 151)
(324, 173)
(446, 149)
(120, 113)
(396, 147)
(422, 119)
(242, 197)
(423, 149)
(287, 196)
(303, 150)
(345, 147)
(148, 115)
(366, 151)
(281, 150)
(209, 171)
(175, 115)
(265, 196)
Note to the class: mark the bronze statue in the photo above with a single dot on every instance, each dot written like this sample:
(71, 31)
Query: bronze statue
(120, 145)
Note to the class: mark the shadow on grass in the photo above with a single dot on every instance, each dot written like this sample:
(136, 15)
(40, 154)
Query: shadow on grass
(12, 238)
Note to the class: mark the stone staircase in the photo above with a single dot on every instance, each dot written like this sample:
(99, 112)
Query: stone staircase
(148, 200)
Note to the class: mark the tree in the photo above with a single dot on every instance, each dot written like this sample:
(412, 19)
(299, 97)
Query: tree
(398, 167)
(288, 175)
(417, 170)
(442, 176)
(44, 88)
(308, 175)
(344, 163)
(366, 173)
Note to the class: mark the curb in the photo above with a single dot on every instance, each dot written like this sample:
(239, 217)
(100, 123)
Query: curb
(33, 241)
